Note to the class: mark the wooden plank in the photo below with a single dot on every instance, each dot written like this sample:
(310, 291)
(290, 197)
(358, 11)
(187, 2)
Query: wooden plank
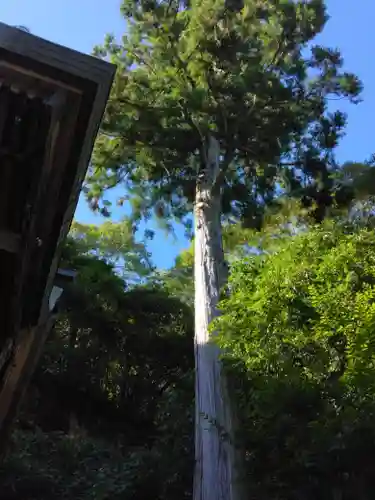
(6, 353)
(20, 354)
(22, 150)
(5, 167)
(25, 356)
(31, 82)
(62, 134)
(4, 102)
(67, 60)
(29, 238)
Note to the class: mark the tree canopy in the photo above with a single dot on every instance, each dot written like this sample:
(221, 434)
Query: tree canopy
(246, 72)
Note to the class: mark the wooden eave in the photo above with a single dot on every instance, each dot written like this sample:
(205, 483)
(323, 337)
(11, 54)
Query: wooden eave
(74, 88)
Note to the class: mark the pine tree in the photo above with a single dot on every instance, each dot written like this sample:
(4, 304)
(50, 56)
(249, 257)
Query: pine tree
(216, 106)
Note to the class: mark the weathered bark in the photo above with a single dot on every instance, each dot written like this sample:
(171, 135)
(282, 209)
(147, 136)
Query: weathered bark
(214, 477)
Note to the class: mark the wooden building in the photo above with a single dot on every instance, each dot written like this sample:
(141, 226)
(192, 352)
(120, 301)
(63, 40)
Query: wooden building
(51, 102)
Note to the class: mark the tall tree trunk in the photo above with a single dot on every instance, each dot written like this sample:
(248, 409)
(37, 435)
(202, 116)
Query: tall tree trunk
(214, 477)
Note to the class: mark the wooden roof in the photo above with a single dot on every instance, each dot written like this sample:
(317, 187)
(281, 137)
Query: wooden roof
(51, 103)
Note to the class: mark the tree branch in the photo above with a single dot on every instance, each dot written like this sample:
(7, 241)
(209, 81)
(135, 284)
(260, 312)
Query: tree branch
(228, 158)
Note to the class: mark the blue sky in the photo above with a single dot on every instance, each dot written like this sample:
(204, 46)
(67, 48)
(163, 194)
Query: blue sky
(80, 24)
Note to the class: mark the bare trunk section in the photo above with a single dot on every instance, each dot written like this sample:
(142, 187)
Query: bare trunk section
(214, 477)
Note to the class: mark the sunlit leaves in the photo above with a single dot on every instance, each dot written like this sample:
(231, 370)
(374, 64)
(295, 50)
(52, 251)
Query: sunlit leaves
(114, 242)
(310, 287)
(298, 333)
(241, 70)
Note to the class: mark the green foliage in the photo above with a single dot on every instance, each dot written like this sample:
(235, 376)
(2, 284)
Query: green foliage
(114, 242)
(245, 72)
(53, 466)
(360, 176)
(117, 347)
(109, 411)
(179, 280)
(298, 333)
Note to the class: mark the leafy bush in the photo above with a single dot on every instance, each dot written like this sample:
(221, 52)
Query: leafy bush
(55, 466)
(299, 333)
